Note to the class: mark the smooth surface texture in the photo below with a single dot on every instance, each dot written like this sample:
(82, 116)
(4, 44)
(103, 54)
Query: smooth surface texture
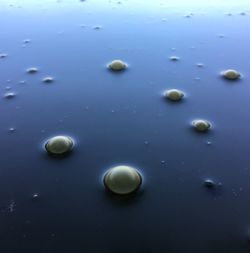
(122, 179)
(122, 118)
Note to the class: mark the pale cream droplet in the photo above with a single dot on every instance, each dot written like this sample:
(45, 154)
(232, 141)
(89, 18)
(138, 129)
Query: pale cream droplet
(174, 94)
(201, 125)
(122, 179)
(231, 74)
(59, 145)
(117, 65)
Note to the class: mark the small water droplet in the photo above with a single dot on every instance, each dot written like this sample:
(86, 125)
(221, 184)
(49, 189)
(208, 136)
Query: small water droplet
(35, 196)
(48, 79)
(209, 183)
(32, 70)
(9, 95)
(200, 65)
(12, 129)
(97, 27)
(174, 58)
(3, 55)
(26, 41)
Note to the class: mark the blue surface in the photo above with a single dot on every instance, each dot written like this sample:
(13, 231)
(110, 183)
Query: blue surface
(122, 118)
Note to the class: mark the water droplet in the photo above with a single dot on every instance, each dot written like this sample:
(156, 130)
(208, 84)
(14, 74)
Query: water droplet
(9, 95)
(26, 41)
(97, 27)
(174, 95)
(243, 13)
(22, 82)
(48, 79)
(117, 65)
(12, 130)
(3, 55)
(231, 74)
(59, 145)
(200, 65)
(35, 196)
(209, 183)
(221, 35)
(32, 70)
(174, 58)
(201, 125)
(122, 179)
(7, 88)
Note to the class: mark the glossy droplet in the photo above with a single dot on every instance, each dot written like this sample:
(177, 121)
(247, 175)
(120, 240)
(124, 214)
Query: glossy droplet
(200, 65)
(26, 41)
(3, 55)
(59, 145)
(201, 125)
(12, 130)
(117, 65)
(174, 94)
(231, 74)
(122, 179)
(9, 95)
(32, 70)
(48, 79)
(209, 183)
(174, 58)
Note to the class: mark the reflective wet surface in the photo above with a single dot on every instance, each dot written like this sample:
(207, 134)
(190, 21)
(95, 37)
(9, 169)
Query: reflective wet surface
(59, 204)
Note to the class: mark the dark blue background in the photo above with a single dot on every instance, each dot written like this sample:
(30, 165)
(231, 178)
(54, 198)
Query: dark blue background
(123, 119)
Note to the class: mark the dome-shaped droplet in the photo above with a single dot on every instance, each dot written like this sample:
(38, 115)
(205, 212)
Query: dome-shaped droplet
(117, 65)
(201, 125)
(231, 74)
(48, 79)
(9, 95)
(174, 94)
(174, 58)
(209, 183)
(32, 70)
(122, 179)
(59, 145)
